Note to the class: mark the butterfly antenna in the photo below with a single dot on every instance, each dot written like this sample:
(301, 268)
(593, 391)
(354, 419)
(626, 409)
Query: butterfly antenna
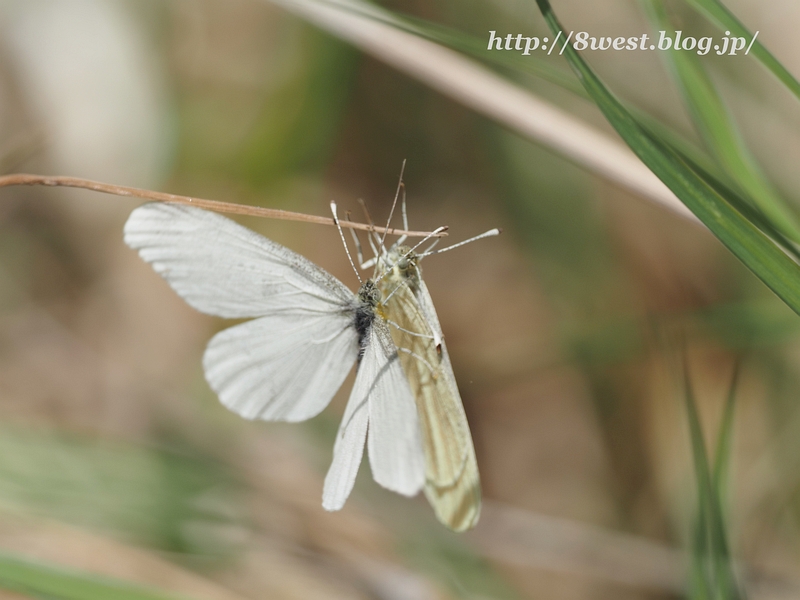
(433, 233)
(490, 233)
(394, 204)
(402, 284)
(403, 238)
(365, 210)
(403, 207)
(356, 242)
(431, 247)
(372, 236)
(344, 243)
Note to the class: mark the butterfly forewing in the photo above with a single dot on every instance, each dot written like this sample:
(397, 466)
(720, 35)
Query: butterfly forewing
(223, 269)
(443, 430)
(452, 482)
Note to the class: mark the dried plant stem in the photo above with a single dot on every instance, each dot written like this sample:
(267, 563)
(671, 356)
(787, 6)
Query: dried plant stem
(368, 27)
(215, 205)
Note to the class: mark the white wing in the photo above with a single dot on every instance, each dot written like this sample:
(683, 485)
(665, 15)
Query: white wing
(381, 396)
(282, 367)
(395, 442)
(224, 269)
(348, 449)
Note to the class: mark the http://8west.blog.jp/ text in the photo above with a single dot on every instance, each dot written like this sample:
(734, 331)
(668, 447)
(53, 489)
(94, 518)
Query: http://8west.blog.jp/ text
(666, 40)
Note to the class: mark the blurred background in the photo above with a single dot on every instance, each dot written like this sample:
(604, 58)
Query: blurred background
(566, 333)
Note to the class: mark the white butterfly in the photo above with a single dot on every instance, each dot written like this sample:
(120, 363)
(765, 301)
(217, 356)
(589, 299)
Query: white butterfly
(308, 330)
(452, 483)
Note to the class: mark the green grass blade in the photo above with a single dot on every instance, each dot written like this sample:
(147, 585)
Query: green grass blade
(703, 547)
(719, 14)
(721, 184)
(699, 580)
(716, 126)
(722, 456)
(759, 253)
(687, 150)
(41, 580)
(712, 565)
(727, 190)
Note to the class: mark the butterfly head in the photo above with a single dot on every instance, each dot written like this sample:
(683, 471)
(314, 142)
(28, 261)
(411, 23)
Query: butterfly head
(402, 263)
(369, 294)
(368, 305)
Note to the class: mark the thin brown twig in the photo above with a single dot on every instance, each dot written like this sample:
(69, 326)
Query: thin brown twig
(215, 205)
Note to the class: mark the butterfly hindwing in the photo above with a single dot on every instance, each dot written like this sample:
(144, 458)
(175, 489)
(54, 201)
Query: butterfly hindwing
(395, 448)
(380, 396)
(281, 367)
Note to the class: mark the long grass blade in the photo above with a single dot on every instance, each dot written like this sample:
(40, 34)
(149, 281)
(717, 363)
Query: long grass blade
(712, 566)
(759, 253)
(717, 127)
(722, 455)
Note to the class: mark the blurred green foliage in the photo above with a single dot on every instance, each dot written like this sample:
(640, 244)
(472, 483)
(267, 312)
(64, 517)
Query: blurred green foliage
(712, 569)
(175, 500)
(38, 580)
